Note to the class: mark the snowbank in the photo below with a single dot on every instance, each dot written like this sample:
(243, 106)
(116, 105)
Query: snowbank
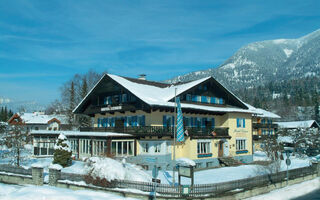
(55, 166)
(185, 162)
(13, 192)
(111, 169)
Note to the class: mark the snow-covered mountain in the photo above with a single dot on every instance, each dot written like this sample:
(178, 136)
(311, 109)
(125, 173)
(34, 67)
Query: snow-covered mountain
(261, 62)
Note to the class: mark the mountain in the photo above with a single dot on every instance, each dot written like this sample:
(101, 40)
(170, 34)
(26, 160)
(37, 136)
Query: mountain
(262, 62)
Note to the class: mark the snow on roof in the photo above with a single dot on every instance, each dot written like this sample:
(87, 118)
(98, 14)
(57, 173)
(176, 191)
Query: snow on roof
(262, 113)
(36, 118)
(153, 95)
(78, 133)
(297, 124)
(285, 139)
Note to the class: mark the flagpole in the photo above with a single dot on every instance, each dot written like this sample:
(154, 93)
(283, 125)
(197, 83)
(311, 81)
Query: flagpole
(174, 138)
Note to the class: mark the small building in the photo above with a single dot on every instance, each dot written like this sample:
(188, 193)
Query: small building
(298, 124)
(39, 121)
(264, 127)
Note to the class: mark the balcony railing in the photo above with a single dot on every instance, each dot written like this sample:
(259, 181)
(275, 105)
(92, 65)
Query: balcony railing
(263, 137)
(219, 132)
(259, 125)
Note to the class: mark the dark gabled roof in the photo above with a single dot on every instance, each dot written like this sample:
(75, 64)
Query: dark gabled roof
(159, 94)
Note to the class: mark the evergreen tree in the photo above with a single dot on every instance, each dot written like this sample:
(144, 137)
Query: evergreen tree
(83, 120)
(84, 87)
(62, 152)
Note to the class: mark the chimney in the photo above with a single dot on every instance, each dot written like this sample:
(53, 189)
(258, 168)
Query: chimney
(142, 77)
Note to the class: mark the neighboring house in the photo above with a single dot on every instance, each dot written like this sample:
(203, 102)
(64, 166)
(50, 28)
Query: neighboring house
(298, 124)
(39, 121)
(264, 127)
(135, 118)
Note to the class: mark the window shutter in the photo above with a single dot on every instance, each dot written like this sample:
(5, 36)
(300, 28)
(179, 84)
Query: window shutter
(143, 120)
(125, 121)
(98, 122)
(238, 122)
(135, 120)
(244, 122)
(212, 123)
(173, 122)
(164, 121)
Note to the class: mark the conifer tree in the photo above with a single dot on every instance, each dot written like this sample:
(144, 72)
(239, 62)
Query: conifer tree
(62, 152)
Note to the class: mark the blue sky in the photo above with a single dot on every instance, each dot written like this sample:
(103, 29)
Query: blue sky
(44, 43)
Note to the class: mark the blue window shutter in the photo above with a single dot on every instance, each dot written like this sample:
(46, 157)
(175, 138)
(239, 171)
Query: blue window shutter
(203, 122)
(164, 119)
(143, 120)
(125, 121)
(113, 121)
(98, 122)
(212, 123)
(238, 122)
(173, 122)
(194, 98)
(134, 120)
(220, 101)
(203, 99)
(191, 121)
(244, 122)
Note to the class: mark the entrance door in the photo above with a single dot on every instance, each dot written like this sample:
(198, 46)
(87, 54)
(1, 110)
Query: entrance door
(220, 149)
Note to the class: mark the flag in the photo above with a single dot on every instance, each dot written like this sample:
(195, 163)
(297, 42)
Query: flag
(180, 132)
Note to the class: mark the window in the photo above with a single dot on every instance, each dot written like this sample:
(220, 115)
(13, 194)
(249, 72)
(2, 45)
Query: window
(85, 146)
(99, 147)
(145, 147)
(241, 123)
(122, 148)
(141, 120)
(188, 97)
(124, 98)
(204, 99)
(241, 144)
(168, 121)
(204, 147)
(74, 145)
(157, 147)
(264, 132)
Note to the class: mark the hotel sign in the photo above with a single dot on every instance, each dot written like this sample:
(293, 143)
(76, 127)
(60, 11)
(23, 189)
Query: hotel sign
(111, 108)
(185, 171)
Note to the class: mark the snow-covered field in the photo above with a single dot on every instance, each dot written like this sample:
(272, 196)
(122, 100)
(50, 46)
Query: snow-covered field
(290, 192)
(15, 192)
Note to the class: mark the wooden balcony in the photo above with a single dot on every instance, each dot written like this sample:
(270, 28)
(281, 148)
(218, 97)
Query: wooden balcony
(263, 137)
(142, 131)
(259, 125)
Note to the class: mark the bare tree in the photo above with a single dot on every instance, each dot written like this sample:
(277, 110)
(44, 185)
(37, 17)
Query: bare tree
(273, 150)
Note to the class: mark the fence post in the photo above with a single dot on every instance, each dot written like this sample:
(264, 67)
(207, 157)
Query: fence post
(54, 176)
(37, 175)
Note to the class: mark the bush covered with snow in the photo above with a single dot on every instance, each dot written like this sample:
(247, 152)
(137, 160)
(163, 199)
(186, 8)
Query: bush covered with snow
(62, 152)
(108, 169)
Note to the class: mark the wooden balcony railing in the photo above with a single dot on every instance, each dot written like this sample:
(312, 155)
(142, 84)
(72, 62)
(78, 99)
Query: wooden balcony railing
(259, 125)
(219, 132)
(263, 137)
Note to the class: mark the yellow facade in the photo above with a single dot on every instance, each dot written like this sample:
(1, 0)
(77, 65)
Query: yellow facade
(188, 149)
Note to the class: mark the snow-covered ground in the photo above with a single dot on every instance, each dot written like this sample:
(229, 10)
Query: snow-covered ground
(14, 192)
(111, 169)
(290, 192)
(225, 174)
